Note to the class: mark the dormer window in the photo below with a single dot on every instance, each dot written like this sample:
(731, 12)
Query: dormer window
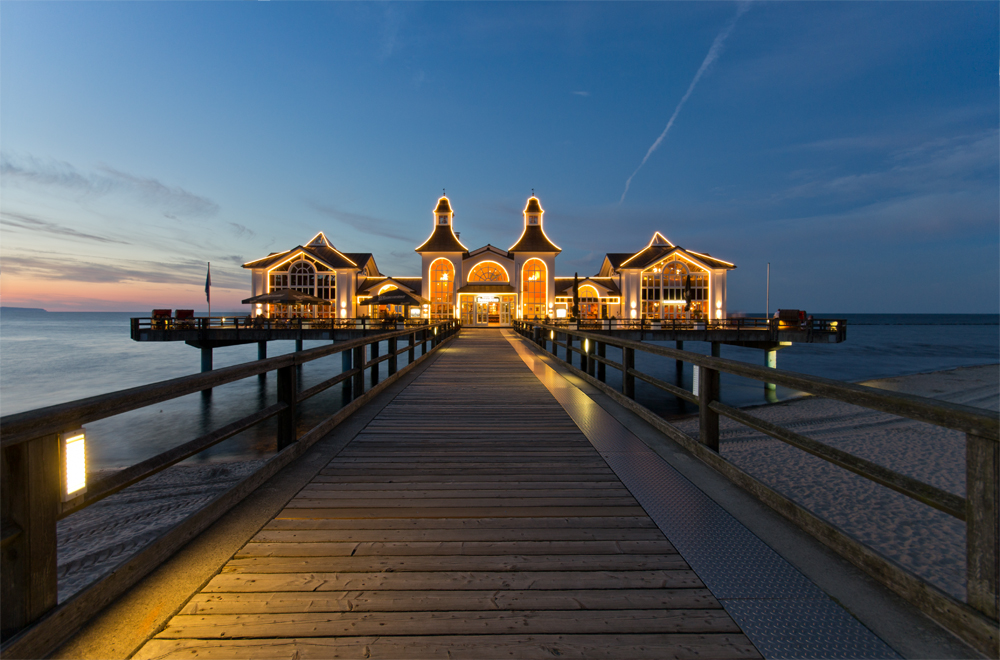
(532, 219)
(443, 220)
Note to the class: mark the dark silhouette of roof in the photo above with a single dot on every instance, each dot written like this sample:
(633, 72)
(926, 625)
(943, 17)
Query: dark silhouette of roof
(534, 240)
(442, 239)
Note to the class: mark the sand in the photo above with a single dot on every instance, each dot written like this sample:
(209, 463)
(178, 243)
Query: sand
(930, 543)
(926, 541)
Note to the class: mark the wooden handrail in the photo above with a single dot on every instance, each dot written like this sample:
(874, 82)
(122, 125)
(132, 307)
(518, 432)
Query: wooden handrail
(21, 427)
(31, 503)
(933, 411)
(975, 621)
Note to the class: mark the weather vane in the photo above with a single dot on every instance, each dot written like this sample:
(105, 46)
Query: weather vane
(443, 193)
(532, 192)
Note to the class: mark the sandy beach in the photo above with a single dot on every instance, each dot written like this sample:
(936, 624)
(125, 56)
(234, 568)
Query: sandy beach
(930, 543)
(926, 541)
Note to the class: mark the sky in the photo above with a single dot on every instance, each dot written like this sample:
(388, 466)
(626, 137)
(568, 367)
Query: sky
(852, 145)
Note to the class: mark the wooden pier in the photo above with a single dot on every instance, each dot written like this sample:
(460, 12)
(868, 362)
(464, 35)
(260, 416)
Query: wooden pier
(476, 526)
(471, 515)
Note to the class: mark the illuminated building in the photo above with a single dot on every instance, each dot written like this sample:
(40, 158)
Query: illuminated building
(493, 286)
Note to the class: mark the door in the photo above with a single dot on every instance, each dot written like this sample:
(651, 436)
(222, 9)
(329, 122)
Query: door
(505, 313)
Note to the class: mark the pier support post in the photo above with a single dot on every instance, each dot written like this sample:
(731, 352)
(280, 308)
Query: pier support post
(679, 345)
(982, 506)
(392, 356)
(591, 362)
(206, 359)
(262, 350)
(708, 391)
(29, 478)
(298, 345)
(716, 349)
(569, 349)
(374, 370)
(628, 380)
(345, 366)
(359, 378)
(286, 418)
(601, 367)
(413, 347)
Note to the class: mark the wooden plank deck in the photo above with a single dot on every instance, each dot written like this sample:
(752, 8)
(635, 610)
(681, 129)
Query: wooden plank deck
(471, 518)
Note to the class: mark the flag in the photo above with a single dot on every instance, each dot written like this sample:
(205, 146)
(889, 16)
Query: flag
(208, 284)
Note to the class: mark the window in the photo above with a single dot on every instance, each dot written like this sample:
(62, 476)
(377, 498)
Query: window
(533, 289)
(442, 286)
(532, 219)
(488, 271)
(302, 277)
(684, 287)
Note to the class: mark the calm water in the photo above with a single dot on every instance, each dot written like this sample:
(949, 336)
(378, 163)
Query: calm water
(55, 357)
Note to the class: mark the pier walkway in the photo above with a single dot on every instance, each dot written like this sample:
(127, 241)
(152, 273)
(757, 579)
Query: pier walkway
(470, 518)
(492, 509)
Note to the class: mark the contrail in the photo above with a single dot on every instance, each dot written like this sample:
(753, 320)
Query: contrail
(713, 54)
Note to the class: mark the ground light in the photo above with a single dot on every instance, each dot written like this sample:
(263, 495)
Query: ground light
(73, 447)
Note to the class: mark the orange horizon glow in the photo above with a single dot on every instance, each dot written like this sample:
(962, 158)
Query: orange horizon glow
(71, 296)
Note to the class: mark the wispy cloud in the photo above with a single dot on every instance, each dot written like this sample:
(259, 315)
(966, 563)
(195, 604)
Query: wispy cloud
(105, 180)
(364, 223)
(29, 223)
(72, 267)
(582, 93)
(713, 54)
(242, 231)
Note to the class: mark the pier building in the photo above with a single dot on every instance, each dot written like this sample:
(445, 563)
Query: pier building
(492, 286)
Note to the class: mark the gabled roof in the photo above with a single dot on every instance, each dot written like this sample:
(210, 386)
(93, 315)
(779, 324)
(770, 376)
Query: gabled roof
(564, 285)
(327, 255)
(371, 285)
(442, 239)
(487, 248)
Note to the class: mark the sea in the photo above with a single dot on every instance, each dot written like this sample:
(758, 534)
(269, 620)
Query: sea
(50, 358)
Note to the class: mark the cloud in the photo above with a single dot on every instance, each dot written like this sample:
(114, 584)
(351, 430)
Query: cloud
(364, 223)
(713, 54)
(105, 181)
(945, 165)
(242, 230)
(582, 93)
(68, 266)
(29, 223)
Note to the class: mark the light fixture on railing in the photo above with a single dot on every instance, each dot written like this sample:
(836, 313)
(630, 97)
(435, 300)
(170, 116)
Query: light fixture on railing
(73, 452)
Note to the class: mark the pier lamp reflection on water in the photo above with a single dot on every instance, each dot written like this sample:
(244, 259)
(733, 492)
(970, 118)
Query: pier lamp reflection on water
(73, 447)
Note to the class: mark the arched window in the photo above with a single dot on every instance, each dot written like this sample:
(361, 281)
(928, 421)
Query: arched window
(488, 271)
(302, 277)
(387, 287)
(684, 289)
(588, 293)
(442, 287)
(533, 289)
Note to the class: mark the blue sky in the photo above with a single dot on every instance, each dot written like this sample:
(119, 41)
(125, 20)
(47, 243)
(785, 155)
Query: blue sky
(852, 145)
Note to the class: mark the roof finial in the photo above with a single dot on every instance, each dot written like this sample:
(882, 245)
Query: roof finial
(532, 192)
(443, 193)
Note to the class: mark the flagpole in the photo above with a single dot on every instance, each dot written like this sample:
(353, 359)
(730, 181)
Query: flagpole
(208, 291)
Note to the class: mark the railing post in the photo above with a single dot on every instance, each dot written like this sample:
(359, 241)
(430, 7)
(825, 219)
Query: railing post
(569, 348)
(589, 356)
(423, 341)
(982, 506)
(359, 378)
(413, 347)
(345, 366)
(392, 355)
(286, 395)
(628, 380)
(374, 372)
(30, 482)
(708, 391)
(601, 367)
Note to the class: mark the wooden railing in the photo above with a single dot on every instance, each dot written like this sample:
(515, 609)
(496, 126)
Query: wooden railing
(32, 624)
(264, 323)
(735, 323)
(974, 621)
